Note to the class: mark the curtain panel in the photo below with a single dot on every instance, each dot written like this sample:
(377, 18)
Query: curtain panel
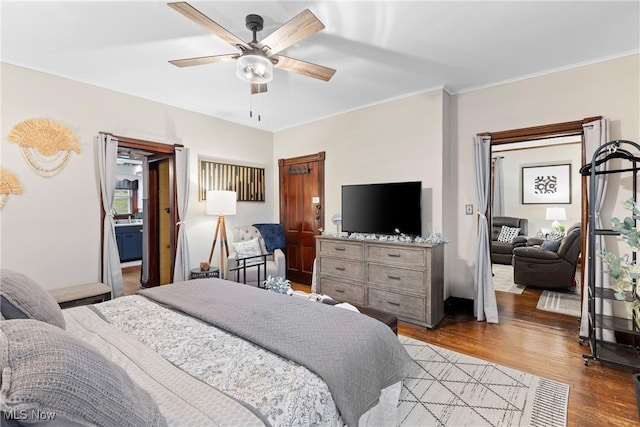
(485, 306)
(181, 266)
(596, 133)
(107, 161)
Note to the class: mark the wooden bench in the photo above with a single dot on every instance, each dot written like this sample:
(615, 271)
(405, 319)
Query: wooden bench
(89, 293)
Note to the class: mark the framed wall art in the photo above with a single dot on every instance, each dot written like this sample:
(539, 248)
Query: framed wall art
(549, 184)
(247, 181)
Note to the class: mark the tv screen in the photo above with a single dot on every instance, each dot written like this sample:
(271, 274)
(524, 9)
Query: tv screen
(389, 208)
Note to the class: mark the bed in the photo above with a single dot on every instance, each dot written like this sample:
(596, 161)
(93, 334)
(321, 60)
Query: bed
(202, 352)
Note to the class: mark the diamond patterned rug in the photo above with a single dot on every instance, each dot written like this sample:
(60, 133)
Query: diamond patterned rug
(452, 389)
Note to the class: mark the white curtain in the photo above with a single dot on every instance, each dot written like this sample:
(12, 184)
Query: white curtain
(107, 158)
(485, 305)
(596, 134)
(181, 266)
(144, 274)
(498, 187)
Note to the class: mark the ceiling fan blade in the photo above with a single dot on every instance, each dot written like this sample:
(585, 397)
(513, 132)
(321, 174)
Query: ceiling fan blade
(201, 19)
(305, 68)
(258, 88)
(299, 27)
(189, 62)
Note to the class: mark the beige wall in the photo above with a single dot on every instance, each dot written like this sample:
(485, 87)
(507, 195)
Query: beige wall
(513, 161)
(610, 89)
(392, 142)
(428, 137)
(52, 231)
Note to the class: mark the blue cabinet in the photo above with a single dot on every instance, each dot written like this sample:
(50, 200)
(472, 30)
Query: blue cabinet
(129, 240)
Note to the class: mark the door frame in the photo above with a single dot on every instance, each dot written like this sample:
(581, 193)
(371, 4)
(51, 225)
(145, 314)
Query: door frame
(573, 128)
(165, 151)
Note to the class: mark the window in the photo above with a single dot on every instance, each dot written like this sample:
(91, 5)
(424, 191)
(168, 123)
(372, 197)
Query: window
(123, 202)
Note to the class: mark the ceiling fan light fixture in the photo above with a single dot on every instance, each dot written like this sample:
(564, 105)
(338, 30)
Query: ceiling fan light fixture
(254, 68)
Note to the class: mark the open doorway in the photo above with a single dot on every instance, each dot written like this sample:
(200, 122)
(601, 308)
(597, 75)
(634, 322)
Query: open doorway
(145, 212)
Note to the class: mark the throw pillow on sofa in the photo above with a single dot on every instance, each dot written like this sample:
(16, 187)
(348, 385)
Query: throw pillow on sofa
(550, 245)
(507, 234)
(247, 249)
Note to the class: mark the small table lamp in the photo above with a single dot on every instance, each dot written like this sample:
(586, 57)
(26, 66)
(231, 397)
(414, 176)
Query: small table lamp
(556, 214)
(221, 203)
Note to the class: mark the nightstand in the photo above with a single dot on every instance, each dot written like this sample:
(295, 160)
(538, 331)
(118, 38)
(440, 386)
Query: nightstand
(89, 293)
(196, 273)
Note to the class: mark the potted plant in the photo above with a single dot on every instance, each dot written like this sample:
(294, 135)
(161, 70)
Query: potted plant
(623, 270)
(278, 285)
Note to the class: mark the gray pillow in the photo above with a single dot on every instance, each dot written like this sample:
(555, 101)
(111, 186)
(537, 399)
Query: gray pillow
(550, 245)
(46, 371)
(22, 298)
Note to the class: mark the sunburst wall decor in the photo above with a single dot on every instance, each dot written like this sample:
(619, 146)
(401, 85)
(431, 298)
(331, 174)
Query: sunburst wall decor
(9, 184)
(46, 145)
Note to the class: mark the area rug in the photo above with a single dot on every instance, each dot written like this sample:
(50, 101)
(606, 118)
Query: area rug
(446, 388)
(503, 279)
(560, 302)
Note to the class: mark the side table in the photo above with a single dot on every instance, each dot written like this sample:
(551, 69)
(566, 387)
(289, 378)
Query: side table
(196, 273)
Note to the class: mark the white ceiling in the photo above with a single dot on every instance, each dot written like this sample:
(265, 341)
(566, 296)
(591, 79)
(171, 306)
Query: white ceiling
(381, 50)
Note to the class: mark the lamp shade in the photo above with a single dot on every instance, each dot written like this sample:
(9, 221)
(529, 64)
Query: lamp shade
(556, 214)
(221, 202)
(254, 68)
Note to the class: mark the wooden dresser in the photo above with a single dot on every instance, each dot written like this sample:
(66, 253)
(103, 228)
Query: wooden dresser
(405, 279)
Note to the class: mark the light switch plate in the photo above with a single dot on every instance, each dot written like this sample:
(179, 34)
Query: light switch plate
(468, 209)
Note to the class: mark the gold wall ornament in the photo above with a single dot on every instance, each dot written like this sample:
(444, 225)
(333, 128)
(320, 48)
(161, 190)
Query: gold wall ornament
(9, 184)
(46, 145)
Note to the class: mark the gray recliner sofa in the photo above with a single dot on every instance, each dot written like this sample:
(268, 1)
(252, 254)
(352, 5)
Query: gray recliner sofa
(540, 268)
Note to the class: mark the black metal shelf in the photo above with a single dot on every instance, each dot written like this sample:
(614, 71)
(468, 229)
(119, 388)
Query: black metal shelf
(600, 325)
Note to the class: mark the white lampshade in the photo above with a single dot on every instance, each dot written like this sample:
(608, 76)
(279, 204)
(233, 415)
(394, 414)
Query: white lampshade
(254, 69)
(556, 214)
(221, 202)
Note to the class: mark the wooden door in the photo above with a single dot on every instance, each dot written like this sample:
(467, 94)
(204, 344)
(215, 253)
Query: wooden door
(301, 212)
(161, 219)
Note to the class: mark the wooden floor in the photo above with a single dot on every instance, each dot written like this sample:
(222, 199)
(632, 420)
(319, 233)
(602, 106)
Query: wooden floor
(531, 340)
(540, 343)
(131, 279)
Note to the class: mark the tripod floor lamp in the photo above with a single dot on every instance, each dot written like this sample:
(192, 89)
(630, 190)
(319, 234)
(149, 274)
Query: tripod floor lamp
(221, 203)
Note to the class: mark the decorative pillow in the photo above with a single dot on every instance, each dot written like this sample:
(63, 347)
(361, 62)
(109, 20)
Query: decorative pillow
(48, 372)
(550, 245)
(507, 234)
(22, 298)
(247, 248)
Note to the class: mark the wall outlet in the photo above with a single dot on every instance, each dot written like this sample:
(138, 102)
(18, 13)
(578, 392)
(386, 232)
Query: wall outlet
(468, 209)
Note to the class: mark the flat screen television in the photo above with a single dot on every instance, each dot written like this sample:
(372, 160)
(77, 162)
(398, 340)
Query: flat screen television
(388, 208)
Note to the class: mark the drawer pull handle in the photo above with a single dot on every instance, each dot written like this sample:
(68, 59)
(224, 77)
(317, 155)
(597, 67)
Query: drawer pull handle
(393, 303)
(393, 277)
(338, 248)
(340, 268)
(394, 255)
(340, 290)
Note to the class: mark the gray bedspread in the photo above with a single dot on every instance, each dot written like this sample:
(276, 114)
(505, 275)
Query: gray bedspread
(356, 356)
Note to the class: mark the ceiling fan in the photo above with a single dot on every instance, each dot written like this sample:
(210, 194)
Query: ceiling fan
(256, 59)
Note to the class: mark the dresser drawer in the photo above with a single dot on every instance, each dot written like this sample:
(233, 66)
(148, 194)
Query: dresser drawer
(342, 291)
(401, 305)
(342, 249)
(341, 268)
(399, 278)
(399, 255)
